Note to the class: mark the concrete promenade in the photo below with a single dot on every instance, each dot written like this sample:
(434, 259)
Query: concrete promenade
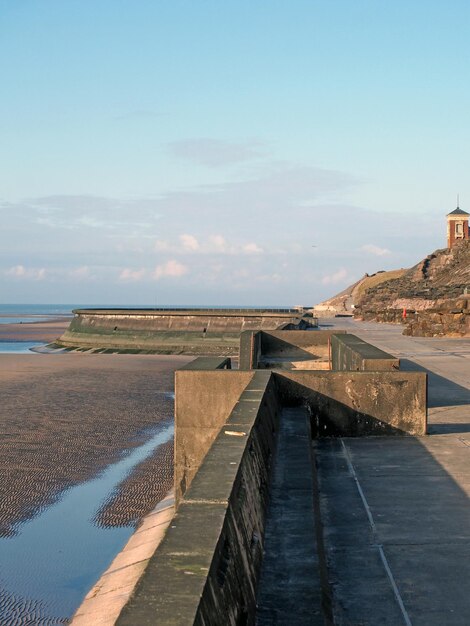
(396, 511)
(358, 531)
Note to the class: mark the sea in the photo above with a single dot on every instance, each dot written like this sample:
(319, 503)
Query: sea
(28, 313)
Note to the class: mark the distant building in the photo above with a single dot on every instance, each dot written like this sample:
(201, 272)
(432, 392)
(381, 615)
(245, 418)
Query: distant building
(457, 226)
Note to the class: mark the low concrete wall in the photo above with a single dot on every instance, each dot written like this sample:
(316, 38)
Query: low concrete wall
(203, 402)
(250, 350)
(208, 363)
(350, 353)
(207, 567)
(359, 403)
(298, 344)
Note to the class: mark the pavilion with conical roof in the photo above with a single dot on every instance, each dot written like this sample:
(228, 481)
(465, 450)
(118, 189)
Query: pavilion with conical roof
(457, 226)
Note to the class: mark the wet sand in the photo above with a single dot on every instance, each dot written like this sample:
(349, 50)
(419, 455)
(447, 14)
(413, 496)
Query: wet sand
(65, 417)
(43, 332)
(137, 495)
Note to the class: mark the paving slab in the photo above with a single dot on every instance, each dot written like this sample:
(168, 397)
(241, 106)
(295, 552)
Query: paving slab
(396, 511)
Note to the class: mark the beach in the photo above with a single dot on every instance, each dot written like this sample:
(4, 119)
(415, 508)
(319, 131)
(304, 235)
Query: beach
(42, 332)
(65, 418)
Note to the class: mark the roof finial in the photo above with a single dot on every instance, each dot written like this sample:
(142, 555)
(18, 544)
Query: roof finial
(458, 203)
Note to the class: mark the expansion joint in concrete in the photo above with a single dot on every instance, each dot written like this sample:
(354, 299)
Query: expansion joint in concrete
(379, 546)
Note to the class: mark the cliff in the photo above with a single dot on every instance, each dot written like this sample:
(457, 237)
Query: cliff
(433, 294)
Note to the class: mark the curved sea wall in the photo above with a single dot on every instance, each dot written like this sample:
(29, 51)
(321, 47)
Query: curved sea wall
(179, 331)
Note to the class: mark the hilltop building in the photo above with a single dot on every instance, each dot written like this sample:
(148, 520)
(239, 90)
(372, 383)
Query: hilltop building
(457, 226)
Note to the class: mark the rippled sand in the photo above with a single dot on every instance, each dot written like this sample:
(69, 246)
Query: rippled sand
(65, 417)
(137, 495)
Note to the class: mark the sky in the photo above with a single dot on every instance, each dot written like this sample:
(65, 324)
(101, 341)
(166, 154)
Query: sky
(226, 151)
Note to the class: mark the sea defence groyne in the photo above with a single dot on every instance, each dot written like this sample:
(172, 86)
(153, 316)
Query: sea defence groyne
(232, 429)
(175, 331)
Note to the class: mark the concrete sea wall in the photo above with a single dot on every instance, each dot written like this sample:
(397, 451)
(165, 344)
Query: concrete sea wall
(207, 568)
(180, 331)
(208, 565)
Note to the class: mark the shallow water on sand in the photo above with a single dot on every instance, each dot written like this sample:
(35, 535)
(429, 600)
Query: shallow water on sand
(17, 347)
(53, 560)
(26, 320)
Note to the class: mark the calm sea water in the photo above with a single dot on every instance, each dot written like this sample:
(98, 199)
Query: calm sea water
(60, 310)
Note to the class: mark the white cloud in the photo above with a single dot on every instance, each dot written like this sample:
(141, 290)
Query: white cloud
(254, 220)
(17, 271)
(162, 246)
(130, 275)
(218, 242)
(80, 272)
(336, 277)
(252, 248)
(370, 248)
(20, 271)
(171, 268)
(189, 242)
(214, 244)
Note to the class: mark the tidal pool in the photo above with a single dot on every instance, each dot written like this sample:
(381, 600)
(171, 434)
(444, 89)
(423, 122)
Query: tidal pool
(18, 347)
(53, 560)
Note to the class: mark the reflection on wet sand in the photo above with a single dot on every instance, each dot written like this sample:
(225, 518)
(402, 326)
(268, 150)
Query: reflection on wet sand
(64, 419)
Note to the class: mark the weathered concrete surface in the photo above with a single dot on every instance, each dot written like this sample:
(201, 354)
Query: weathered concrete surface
(185, 331)
(396, 511)
(351, 353)
(159, 342)
(209, 363)
(358, 403)
(203, 402)
(289, 587)
(208, 564)
(280, 349)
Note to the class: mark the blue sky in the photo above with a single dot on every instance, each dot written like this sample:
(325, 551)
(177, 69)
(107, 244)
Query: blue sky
(226, 152)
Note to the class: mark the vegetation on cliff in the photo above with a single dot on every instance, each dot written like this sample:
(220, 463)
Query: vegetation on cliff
(431, 297)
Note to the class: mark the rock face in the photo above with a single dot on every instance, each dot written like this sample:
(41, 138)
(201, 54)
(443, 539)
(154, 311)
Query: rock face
(452, 319)
(434, 294)
(344, 302)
